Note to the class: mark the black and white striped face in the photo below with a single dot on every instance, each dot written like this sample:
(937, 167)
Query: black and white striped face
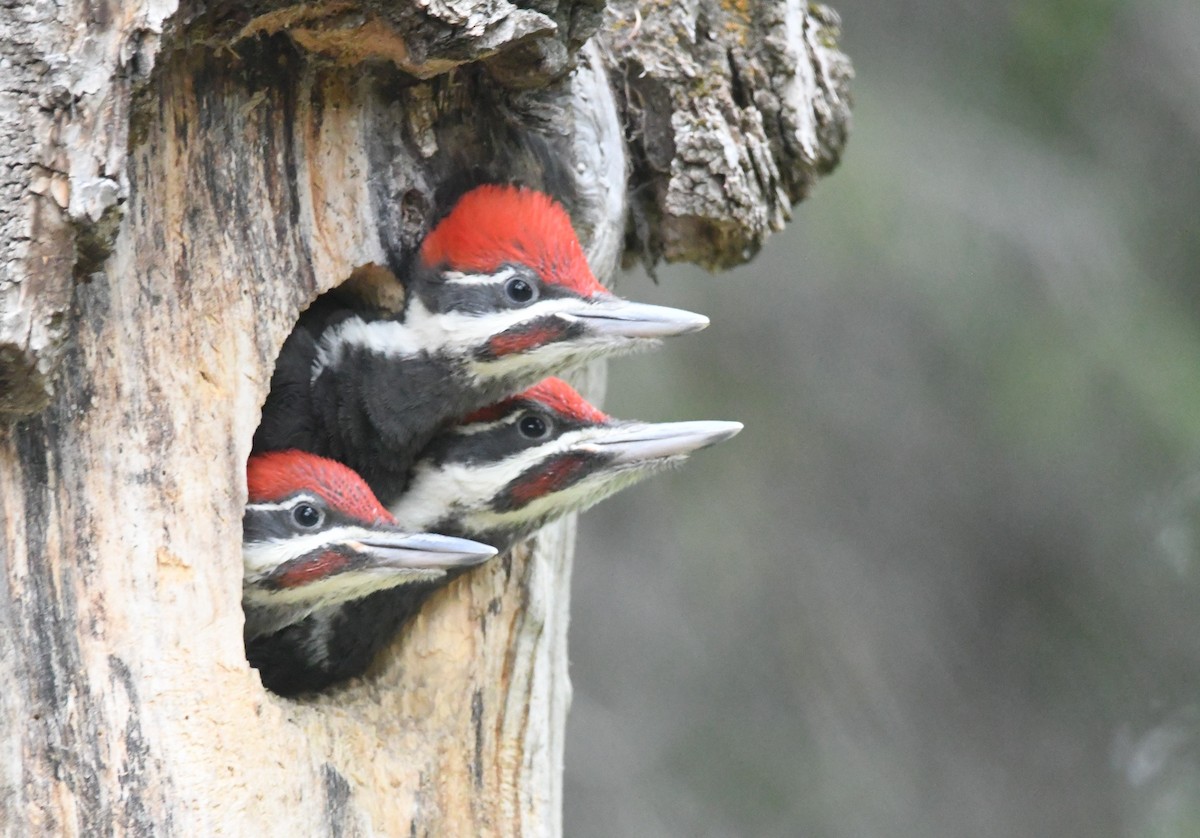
(511, 325)
(502, 477)
(302, 554)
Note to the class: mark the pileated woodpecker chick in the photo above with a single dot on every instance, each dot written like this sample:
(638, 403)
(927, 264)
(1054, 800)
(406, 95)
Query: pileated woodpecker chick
(509, 469)
(498, 476)
(314, 535)
(501, 295)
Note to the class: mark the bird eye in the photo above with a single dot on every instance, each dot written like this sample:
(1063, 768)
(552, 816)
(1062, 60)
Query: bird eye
(519, 291)
(533, 426)
(306, 515)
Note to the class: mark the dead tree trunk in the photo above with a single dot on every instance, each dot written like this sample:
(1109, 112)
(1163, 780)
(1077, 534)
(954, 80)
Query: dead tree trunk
(179, 183)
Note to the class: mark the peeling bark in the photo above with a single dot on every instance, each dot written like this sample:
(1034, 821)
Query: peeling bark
(180, 185)
(64, 112)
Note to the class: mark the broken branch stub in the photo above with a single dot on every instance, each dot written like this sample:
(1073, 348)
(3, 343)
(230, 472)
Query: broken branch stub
(732, 111)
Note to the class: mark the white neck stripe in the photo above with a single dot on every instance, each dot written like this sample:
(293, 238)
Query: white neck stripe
(453, 333)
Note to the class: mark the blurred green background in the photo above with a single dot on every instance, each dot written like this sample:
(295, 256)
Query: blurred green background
(946, 581)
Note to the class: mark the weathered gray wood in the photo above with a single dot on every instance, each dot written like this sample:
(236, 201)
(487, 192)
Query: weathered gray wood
(265, 158)
(66, 77)
(733, 111)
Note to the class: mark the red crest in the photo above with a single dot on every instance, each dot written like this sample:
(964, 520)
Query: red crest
(495, 225)
(280, 474)
(555, 395)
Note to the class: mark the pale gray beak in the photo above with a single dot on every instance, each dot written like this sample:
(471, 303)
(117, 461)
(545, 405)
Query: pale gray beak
(639, 442)
(621, 318)
(420, 550)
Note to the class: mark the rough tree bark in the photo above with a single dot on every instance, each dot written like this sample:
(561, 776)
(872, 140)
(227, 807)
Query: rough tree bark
(179, 181)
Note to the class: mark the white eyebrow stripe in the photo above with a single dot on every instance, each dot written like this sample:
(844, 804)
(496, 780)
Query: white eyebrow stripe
(502, 275)
(290, 503)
